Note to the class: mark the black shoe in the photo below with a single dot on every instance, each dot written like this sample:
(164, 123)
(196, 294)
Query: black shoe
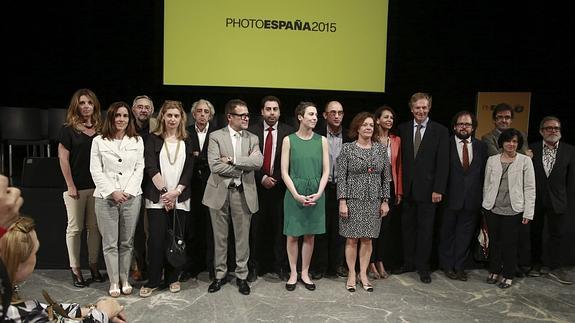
(252, 276)
(185, 276)
(492, 278)
(78, 280)
(96, 276)
(450, 274)
(461, 275)
(425, 277)
(243, 286)
(505, 283)
(402, 270)
(535, 271)
(341, 271)
(308, 286)
(290, 287)
(216, 285)
(316, 275)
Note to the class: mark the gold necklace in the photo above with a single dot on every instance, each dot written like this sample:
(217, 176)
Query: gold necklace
(168, 152)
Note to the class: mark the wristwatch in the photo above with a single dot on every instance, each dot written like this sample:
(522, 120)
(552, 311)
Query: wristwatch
(164, 190)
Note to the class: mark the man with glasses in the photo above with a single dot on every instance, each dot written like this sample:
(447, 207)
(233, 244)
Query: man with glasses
(328, 255)
(467, 158)
(554, 165)
(142, 108)
(233, 156)
(502, 118)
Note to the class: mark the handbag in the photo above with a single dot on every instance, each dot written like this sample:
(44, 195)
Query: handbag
(481, 250)
(176, 246)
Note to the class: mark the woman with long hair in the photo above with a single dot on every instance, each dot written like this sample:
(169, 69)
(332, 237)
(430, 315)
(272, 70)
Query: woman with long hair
(305, 171)
(117, 167)
(169, 168)
(385, 119)
(82, 125)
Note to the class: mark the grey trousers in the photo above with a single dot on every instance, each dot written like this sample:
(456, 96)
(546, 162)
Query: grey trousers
(236, 209)
(117, 224)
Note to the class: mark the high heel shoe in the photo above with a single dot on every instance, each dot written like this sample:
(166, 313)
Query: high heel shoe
(372, 271)
(381, 270)
(350, 287)
(492, 278)
(96, 276)
(78, 279)
(114, 290)
(126, 288)
(367, 287)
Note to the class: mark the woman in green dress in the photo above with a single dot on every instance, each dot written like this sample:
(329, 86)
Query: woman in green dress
(305, 170)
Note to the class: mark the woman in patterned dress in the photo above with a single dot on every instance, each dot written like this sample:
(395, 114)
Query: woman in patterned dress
(363, 193)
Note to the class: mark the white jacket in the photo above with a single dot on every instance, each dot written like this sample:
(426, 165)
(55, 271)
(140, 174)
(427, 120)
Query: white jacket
(116, 168)
(521, 179)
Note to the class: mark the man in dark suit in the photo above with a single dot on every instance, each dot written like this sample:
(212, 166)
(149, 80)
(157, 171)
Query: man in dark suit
(425, 147)
(554, 164)
(328, 256)
(467, 158)
(266, 237)
(200, 240)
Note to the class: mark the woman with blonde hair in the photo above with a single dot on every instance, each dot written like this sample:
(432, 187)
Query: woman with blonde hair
(82, 125)
(169, 163)
(18, 248)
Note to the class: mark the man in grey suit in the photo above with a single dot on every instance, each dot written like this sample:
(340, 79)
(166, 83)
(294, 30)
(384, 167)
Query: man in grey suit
(233, 156)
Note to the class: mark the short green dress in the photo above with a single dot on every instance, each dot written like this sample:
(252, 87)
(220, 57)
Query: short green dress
(305, 170)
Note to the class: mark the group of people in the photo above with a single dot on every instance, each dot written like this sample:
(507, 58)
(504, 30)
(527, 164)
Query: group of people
(133, 178)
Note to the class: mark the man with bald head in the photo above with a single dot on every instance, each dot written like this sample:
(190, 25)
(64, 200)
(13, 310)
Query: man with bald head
(328, 257)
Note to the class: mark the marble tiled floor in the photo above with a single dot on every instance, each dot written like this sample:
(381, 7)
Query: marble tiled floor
(396, 299)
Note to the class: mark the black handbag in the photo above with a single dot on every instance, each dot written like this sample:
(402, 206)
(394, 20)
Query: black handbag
(176, 246)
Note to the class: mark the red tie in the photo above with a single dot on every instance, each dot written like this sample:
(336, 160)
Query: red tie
(465, 154)
(268, 152)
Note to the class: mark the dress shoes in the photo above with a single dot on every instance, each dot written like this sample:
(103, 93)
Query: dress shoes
(341, 271)
(96, 275)
(450, 274)
(461, 275)
(425, 277)
(243, 286)
(216, 285)
(252, 276)
(310, 286)
(316, 275)
(290, 287)
(78, 280)
(402, 270)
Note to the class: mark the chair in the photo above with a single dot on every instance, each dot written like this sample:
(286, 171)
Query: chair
(23, 127)
(55, 119)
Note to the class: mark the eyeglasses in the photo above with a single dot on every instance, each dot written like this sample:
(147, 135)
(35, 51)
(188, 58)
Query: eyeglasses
(334, 113)
(143, 107)
(466, 125)
(503, 118)
(243, 116)
(551, 129)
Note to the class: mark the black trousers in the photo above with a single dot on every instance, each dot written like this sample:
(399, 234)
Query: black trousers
(140, 240)
(267, 241)
(555, 224)
(457, 230)
(199, 235)
(504, 231)
(418, 219)
(328, 252)
(160, 220)
(387, 246)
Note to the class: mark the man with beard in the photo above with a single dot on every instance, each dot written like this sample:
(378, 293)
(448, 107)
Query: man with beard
(231, 194)
(142, 108)
(467, 158)
(267, 241)
(502, 119)
(554, 165)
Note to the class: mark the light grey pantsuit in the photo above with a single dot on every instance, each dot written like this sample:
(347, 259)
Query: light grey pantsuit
(117, 224)
(236, 209)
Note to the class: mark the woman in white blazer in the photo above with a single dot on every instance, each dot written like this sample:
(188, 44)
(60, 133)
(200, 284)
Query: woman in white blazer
(117, 167)
(509, 198)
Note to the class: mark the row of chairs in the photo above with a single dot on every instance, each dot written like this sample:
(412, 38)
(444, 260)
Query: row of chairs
(36, 129)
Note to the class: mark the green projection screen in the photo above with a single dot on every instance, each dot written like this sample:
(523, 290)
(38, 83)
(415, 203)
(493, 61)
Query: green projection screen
(291, 44)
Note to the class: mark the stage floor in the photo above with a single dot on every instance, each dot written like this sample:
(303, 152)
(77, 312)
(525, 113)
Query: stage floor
(396, 299)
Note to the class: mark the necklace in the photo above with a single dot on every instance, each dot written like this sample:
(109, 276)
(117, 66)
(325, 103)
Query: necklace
(88, 126)
(168, 152)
